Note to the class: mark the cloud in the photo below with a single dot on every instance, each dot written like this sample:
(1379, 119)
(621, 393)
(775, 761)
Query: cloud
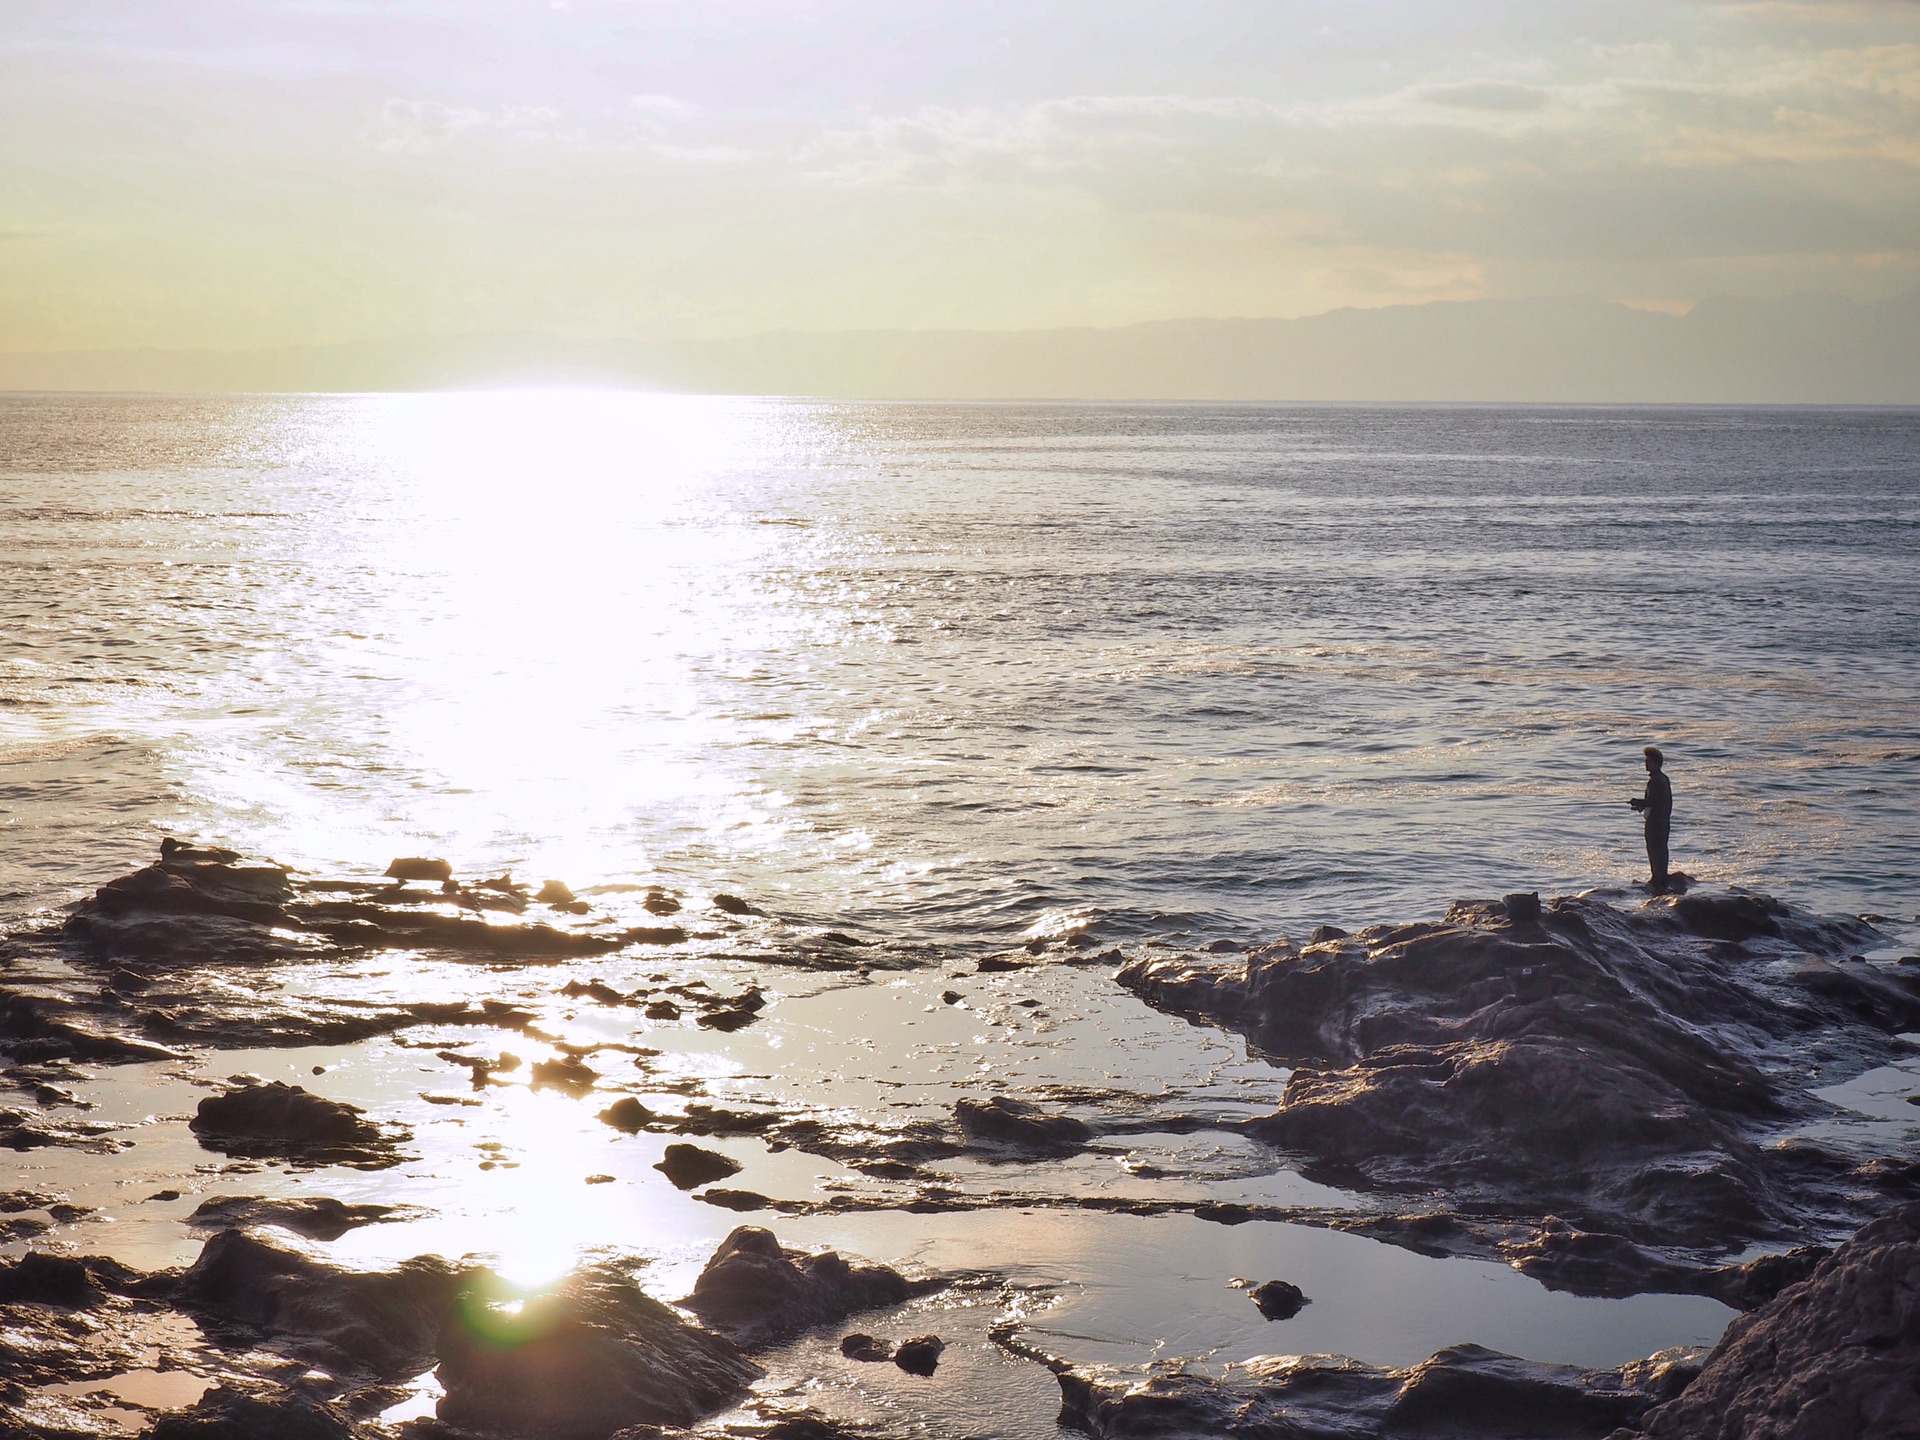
(1497, 95)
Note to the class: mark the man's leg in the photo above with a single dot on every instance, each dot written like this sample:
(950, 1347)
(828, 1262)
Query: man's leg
(1657, 858)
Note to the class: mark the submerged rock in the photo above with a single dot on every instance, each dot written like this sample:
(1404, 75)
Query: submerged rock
(1837, 1354)
(759, 1294)
(1619, 1068)
(591, 1357)
(689, 1166)
(1465, 1392)
(1019, 1125)
(277, 1119)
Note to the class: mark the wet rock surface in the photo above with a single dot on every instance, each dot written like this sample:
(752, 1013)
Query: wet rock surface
(1020, 1126)
(1464, 1391)
(384, 1324)
(615, 1031)
(594, 1356)
(1628, 1071)
(1837, 1354)
(758, 1293)
(233, 1412)
(317, 1218)
(920, 1355)
(689, 1166)
(284, 1120)
(1279, 1299)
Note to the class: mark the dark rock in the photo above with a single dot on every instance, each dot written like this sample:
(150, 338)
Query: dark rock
(920, 1355)
(865, 1348)
(318, 1218)
(1463, 1393)
(1753, 1284)
(759, 1294)
(689, 1166)
(1564, 1257)
(1279, 1300)
(733, 905)
(555, 892)
(654, 935)
(380, 1323)
(1523, 908)
(630, 1115)
(593, 990)
(154, 932)
(569, 1073)
(1836, 1355)
(739, 1200)
(761, 1421)
(67, 1281)
(658, 902)
(1018, 1125)
(734, 1018)
(37, 1028)
(230, 1413)
(176, 851)
(662, 1010)
(277, 1119)
(1623, 1069)
(580, 1362)
(414, 867)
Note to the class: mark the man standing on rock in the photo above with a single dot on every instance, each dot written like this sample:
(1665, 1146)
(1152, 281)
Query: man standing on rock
(1657, 806)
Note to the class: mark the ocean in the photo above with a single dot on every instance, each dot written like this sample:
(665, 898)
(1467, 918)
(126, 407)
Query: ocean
(952, 683)
(965, 673)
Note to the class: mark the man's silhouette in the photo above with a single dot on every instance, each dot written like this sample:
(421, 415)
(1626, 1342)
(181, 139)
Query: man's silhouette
(1657, 806)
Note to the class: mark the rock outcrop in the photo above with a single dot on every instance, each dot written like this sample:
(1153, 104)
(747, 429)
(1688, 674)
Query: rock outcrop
(1625, 1070)
(1833, 1357)
(758, 1294)
(383, 1324)
(281, 1120)
(591, 1357)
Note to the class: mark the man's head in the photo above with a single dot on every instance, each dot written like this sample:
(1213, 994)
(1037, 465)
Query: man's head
(1654, 758)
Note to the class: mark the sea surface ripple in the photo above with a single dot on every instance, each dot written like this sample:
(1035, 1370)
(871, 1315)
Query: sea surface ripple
(964, 673)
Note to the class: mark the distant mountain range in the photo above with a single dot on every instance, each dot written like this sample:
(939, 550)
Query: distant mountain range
(1805, 349)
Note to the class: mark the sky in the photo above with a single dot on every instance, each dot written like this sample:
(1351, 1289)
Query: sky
(256, 173)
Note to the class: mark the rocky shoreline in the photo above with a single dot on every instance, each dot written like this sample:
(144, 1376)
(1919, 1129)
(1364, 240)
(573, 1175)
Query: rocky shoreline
(1615, 1100)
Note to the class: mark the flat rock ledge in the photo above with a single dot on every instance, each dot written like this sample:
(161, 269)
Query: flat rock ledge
(1624, 1081)
(1464, 1392)
(151, 938)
